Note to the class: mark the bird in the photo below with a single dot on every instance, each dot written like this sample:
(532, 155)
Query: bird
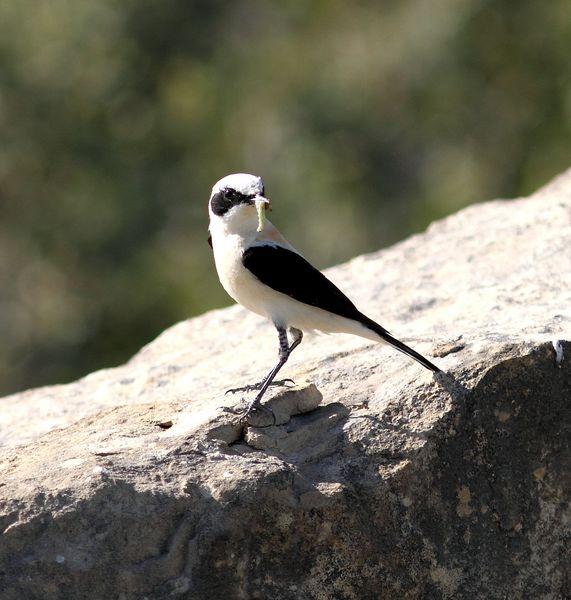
(263, 272)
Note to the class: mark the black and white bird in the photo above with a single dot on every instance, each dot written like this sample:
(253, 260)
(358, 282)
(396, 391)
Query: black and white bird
(263, 272)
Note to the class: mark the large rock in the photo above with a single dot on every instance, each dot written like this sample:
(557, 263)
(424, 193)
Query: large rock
(381, 482)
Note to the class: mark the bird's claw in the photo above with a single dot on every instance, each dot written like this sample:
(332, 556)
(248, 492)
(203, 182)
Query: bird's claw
(252, 408)
(253, 387)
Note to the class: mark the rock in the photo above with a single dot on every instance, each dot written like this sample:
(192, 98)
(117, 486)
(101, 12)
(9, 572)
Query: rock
(136, 482)
(290, 402)
(283, 406)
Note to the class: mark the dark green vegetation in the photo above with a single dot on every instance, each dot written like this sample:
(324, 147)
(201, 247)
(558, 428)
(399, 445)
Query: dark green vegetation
(367, 120)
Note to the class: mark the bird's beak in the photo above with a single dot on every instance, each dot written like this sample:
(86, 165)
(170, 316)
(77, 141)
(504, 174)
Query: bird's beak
(261, 204)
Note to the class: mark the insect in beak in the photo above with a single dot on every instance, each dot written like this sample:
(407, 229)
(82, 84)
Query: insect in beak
(261, 205)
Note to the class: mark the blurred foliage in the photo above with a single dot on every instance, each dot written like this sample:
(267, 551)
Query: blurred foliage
(366, 119)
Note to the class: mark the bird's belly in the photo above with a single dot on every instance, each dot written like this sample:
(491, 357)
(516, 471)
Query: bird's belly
(311, 318)
(249, 292)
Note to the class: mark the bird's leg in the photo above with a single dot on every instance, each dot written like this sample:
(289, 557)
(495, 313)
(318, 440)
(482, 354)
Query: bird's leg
(284, 352)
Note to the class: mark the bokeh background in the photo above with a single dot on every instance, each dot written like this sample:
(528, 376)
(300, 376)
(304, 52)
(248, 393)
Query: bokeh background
(366, 119)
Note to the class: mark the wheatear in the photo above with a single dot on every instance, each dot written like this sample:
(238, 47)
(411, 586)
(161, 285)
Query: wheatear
(263, 272)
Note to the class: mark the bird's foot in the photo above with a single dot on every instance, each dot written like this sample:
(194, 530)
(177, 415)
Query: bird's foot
(253, 387)
(254, 409)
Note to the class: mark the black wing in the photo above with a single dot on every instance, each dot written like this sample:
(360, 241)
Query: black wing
(289, 273)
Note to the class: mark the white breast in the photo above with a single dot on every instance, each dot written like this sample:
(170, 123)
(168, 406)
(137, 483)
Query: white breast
(238, 282)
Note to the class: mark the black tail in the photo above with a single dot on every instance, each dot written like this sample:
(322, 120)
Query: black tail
(385, 335)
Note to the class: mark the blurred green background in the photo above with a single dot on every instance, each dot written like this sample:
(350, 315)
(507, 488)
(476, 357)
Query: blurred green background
(367, 120)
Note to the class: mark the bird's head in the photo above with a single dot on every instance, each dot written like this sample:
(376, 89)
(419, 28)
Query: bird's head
(238, 203)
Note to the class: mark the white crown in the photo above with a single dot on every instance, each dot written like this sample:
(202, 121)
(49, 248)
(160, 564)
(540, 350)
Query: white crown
(241, 182)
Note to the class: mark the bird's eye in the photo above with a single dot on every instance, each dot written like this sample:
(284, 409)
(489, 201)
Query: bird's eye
(231, 194)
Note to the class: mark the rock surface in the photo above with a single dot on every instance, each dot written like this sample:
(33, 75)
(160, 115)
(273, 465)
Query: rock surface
(381, 482)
